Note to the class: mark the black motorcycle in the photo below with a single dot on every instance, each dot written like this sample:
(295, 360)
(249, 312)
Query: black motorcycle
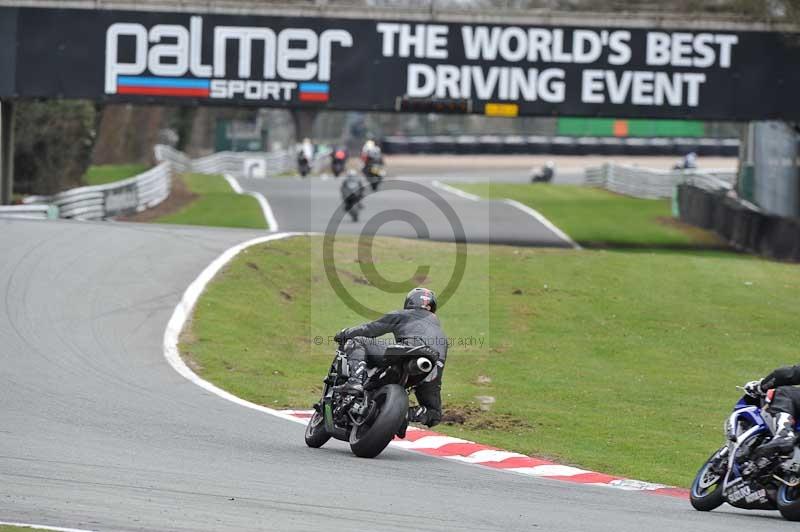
(352, 203)
(545, 175)
(370, 420)
(303, 164)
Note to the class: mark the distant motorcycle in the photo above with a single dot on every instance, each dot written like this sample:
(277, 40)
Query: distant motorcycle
(371, 419)
(546, 174)
(736, 474)
(374, 172)
(303, 164)
(352, 193)
(338, 162)
(687, 162)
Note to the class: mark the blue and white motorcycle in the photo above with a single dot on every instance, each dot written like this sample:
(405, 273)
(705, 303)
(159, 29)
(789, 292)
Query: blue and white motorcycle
(736, 474)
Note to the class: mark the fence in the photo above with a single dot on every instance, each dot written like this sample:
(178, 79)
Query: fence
(652, 184)
(739, 224)
(257, 164)
(114, 199)
(560, 145)
(770, 154)
(29, 212)
(150, 188)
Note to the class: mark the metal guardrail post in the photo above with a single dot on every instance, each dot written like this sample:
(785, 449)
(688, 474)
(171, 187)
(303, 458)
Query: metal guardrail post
(6, 151)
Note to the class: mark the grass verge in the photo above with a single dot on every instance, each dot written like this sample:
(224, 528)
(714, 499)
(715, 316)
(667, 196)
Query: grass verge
(619, 361)
(101, 174)
(9, 528)
(595, 217)
(215, 204)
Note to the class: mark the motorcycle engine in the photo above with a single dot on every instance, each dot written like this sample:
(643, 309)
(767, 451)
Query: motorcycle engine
(750, 495)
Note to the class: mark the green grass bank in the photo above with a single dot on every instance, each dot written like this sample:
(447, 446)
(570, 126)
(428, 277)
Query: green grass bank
(216, 204)
(595, 217)
(624, 362)
(102, 174)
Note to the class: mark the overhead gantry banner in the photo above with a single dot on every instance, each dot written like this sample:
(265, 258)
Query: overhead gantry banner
(390, 65)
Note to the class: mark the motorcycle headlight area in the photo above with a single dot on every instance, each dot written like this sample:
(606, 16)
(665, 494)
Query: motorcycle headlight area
(730, 428)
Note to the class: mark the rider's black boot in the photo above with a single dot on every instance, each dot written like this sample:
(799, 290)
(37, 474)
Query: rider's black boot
(418, 414)
(358, 374)
(783, 441)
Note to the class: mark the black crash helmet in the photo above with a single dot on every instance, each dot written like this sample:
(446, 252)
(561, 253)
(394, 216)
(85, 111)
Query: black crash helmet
(421, 298)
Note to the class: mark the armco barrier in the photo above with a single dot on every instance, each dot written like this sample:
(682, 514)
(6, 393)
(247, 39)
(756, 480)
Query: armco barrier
(740, 224)
(29, 212)
(560, 145)
(150, 188)
(651, 183)
(98, 202)
(254, 164)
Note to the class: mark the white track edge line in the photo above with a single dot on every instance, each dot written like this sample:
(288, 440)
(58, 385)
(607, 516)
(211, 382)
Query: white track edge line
(233, 183)
(524, 208)
(544, 221)
(184, 309)
(44, 527)
(453, 190)
(266, 210)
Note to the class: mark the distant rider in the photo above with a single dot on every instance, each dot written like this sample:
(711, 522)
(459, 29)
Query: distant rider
(306, 149)
(784, 405)
(547, 173)
(416, 324)
(371, 153)
(688, 162)
(352, 191)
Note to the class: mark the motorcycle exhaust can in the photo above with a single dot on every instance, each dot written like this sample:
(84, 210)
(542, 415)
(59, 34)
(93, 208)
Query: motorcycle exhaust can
(419, 366)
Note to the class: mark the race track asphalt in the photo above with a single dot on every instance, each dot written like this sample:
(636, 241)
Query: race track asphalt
(98, 432)
(310, 204)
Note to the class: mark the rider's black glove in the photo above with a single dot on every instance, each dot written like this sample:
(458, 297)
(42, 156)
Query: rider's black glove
(753, 389)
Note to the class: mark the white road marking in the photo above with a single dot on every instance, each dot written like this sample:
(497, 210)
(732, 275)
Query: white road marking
(544, 221)
(454, 190)
(269, 216)
(488, 455)
(44, 527)
(233, 183)
(549, 471)
(184, 309)
(429, 442)
(524, 208)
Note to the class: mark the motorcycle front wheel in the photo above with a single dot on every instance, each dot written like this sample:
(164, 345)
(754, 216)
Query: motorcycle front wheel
(316, 434)
(707, 486)
(789, 502)
(390, 408)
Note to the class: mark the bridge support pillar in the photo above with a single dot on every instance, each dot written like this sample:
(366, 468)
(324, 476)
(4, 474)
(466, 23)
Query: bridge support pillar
(6, 151)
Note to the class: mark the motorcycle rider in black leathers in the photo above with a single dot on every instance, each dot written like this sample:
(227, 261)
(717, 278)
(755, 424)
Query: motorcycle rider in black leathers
(352, 190)
(784, 406)
(416, 324)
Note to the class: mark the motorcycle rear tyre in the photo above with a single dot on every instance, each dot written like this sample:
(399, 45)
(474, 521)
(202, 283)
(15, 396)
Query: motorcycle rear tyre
(370, 441)
(788, 500)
